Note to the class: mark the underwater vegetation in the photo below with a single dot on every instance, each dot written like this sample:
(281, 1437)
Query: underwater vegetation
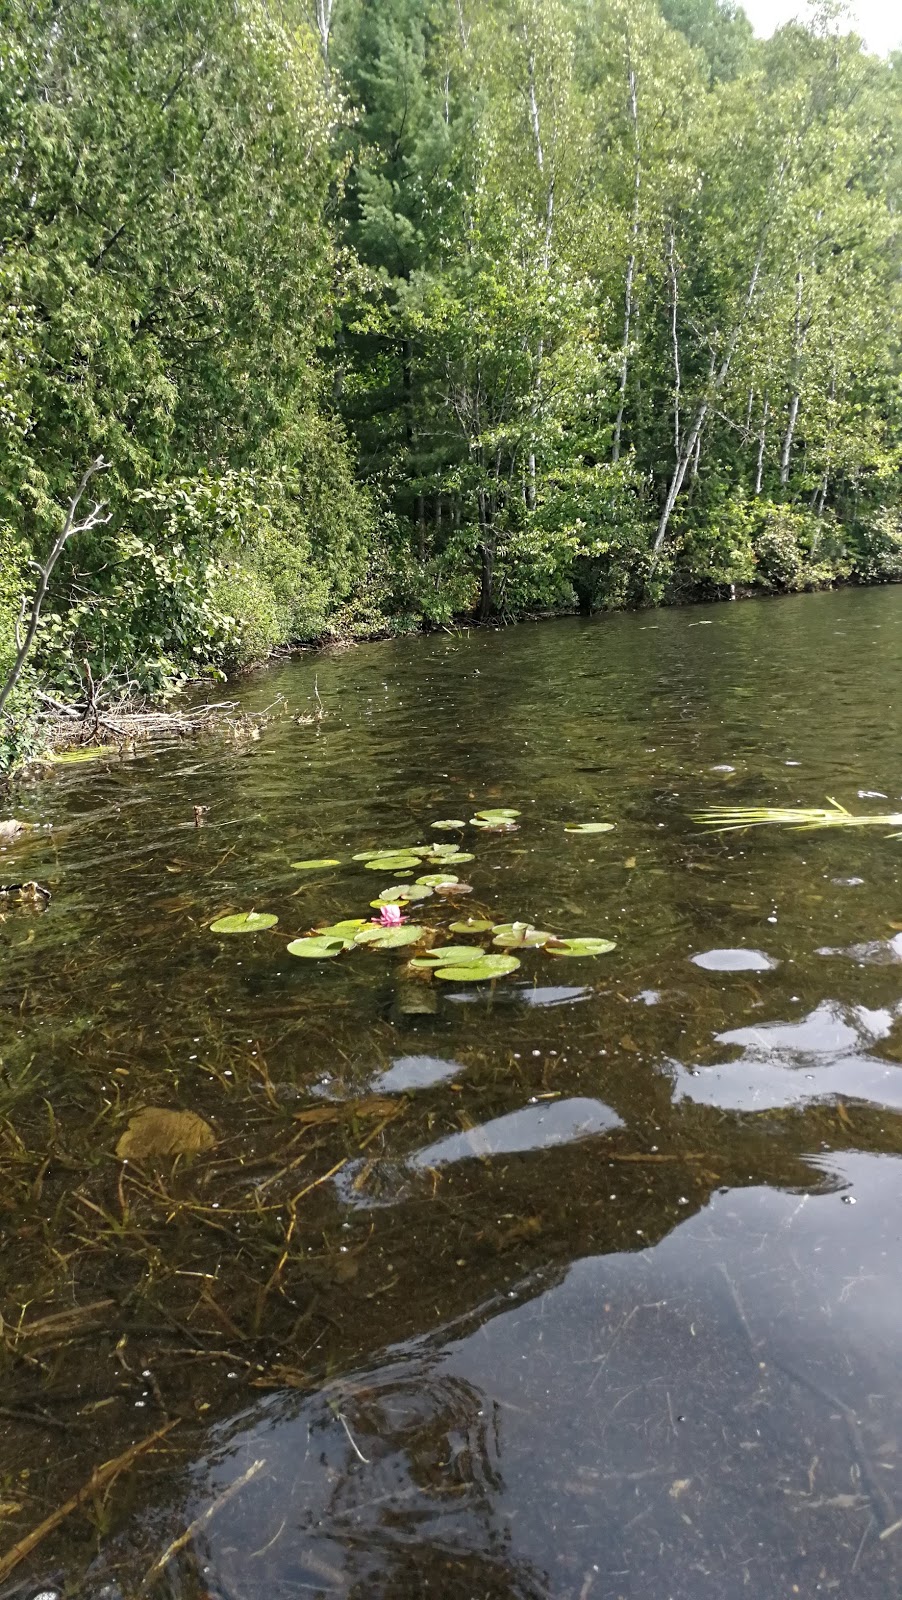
(808, 819)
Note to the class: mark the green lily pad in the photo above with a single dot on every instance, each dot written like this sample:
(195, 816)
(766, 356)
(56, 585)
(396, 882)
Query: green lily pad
(431, 880)
(392, 863)
(403, 891)
(389, 938)
(580, 947)
(450, 861)
(589, 827)
(498, 814)
(521, 935)
(244, 922)
(446, 955)
(384, 854)
(341, 930)
(448, 823)
(453, 888)
(479, 971)
(471, 925)
(317, 947)
(445, 850)
(307, 866)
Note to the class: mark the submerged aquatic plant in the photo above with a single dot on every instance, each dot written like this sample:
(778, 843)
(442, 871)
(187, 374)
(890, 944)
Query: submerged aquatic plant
(728, 819)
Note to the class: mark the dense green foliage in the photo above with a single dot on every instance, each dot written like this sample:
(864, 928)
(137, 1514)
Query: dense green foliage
(391, 310)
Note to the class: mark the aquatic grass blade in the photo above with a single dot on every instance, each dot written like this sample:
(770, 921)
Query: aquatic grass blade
(808, 819)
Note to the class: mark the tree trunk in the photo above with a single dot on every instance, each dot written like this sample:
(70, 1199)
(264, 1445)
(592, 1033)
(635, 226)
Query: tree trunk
(762, 440)
(630, 267)
(714, 387)
(674, 299)
(799, 339)
(487, 555)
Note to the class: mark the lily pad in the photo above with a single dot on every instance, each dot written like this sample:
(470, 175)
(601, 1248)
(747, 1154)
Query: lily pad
(505, 825)
(471, 925)
(521, 935)
(451, 861)
(157, 1132)
(389, 938)
(317, 947)
(244, 922)
(447, 823)
(444, 850)
(404, 891)
(383, 853)
(447, 955)
(589, 827)
(341, 930)
(479, 971)
(433, 880)
(308, 866)
(498, 814)
(392, 863)
(580, 947)
(454, 888)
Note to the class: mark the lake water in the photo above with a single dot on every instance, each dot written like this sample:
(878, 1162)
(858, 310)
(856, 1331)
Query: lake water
(584, 1284)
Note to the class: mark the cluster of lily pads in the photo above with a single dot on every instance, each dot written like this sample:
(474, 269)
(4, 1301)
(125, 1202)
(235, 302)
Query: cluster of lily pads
(457, 963)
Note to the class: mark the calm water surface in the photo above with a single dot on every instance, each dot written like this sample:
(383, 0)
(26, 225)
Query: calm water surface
(583, 1285)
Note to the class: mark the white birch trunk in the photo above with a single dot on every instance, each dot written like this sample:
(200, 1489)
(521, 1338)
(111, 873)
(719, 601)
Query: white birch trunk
(715, 385)
(631, 265)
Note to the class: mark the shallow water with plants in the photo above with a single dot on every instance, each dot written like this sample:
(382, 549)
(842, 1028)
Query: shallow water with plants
(536, 1269)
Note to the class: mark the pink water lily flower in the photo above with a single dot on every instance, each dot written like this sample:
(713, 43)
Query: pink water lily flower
(390, 918)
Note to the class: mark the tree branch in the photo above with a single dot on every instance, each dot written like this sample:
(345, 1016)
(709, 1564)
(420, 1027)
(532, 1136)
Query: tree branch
(69, 529)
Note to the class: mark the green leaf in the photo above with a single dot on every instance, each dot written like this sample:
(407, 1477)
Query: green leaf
(448, 823)
(471, 925)
(392, 863)
(450, 861)
(497, 814)
(580, 947)
(403, 891)
(589, 827)
(446, 955)
(389, 938)
(431, 880)
(307, 866)
(520, 935)
(244, 922)
(479, 971)
(317, 947)
(341, 930)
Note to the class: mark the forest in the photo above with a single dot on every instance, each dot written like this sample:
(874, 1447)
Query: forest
(384, 314)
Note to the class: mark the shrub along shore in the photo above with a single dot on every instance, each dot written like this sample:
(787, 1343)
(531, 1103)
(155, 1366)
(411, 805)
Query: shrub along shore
(384, 314)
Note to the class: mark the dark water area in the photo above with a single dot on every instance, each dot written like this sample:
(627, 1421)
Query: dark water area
(583, 1284)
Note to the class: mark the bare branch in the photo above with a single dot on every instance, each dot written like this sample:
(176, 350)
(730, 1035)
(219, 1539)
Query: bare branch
(68, 531)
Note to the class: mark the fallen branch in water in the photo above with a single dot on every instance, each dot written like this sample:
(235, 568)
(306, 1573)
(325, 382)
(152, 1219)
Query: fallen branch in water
(100, 1478)
(199, 1523)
